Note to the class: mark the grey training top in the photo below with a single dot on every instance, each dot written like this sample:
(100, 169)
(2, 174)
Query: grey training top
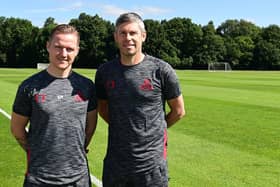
(137, 128)
(57, 109)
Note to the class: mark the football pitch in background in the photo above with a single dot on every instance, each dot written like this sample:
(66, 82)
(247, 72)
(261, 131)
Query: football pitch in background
(229, 137)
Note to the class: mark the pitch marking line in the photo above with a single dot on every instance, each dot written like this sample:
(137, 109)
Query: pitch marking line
(5, 114)
(95, 180)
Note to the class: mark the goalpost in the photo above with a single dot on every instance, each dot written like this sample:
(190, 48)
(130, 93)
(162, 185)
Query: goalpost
(41, 66)
(219, 66)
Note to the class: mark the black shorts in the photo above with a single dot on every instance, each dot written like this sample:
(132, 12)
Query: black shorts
(82, 182)
(158, 177)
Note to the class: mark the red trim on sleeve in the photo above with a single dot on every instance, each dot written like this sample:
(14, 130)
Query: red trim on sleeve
(165, 144)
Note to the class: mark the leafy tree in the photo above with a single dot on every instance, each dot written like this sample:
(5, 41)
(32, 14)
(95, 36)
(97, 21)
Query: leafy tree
(3, 59)
(183, 35)
(233, 52)
(50, 22)
(178, 41)
(41, 40)
(272, 34)
(96, 40)
(267, 49)
(169, 53)
(240, 37)
(158, 45)
(211, 48)
(30, 54)
(235, 28)
(246, 48)
(17, 34)
(155, 37)
(267, 56)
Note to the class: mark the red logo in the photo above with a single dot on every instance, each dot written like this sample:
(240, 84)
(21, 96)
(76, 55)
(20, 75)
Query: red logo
(146, 85)
(110, 84)
(79, 97)
(40, 98)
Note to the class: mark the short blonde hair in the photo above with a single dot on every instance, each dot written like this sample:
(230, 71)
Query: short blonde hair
(64, 28)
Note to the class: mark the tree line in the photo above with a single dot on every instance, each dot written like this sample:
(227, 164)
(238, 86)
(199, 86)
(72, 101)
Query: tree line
(178, 41)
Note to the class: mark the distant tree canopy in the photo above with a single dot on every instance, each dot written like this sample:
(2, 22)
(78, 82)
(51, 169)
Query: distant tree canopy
(179, 41)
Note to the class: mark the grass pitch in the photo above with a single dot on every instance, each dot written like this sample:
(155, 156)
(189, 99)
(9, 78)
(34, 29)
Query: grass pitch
(230, 136)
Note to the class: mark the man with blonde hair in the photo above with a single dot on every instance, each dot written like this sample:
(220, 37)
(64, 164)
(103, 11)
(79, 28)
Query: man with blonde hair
(60, 105)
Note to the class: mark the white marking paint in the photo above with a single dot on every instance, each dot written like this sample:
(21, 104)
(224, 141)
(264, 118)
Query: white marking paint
(94, 180)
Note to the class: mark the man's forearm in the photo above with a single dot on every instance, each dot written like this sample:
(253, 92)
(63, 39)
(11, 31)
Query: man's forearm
(171, 119)
(90, 127)
(22, 142)
(177, 110)
(18, 129)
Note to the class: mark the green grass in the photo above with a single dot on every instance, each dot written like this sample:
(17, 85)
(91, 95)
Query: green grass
(230, 136)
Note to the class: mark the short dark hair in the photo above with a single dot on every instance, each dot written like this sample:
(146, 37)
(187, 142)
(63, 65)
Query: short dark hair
(64, 28)
(130, 17)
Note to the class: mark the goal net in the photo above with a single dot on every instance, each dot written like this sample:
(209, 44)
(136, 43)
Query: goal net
(41, 66)
(219, 66)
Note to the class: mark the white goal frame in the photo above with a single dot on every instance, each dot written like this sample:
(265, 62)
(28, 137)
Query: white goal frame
(219, 66)
(41, 66)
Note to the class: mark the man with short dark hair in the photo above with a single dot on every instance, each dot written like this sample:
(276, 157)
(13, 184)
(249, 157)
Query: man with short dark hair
(132, 91)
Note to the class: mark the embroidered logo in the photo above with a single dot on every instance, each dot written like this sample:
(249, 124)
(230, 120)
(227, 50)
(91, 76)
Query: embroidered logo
(110, 84)
(146, 85)
(40, 98)
(79, 97)
(59, 97)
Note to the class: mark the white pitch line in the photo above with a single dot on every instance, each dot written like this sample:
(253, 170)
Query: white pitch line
(94, 180)
(5, 114)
